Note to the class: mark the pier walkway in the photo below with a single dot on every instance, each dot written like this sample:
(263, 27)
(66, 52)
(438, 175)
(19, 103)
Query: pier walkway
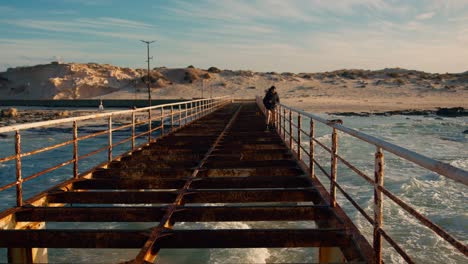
(221, 166)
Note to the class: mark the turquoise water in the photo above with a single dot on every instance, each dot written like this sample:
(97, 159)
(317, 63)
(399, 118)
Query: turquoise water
(441, 200)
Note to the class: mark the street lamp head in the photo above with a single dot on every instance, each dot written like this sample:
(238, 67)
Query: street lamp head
(147, 42)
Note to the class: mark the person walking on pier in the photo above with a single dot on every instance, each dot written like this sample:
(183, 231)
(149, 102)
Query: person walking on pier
(270, 101)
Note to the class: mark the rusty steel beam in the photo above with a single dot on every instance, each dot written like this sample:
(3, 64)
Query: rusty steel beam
(128, 184)
(250, 196)
(142, 173)
(251, 156)
(182, 214)
(252, 171)
(251, 182)
(199, 183)
(140, 164)
(110, 197)
(251, 164)
(221, 238)
(72, 238)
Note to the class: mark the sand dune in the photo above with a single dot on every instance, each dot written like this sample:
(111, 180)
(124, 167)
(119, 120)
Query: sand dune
(343, 90)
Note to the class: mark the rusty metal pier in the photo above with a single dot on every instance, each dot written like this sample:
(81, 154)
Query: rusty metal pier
(221, 167)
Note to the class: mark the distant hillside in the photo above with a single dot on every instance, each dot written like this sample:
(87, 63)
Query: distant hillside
(91, 80)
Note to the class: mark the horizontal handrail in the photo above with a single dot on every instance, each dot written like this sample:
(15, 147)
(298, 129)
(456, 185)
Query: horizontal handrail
(442, 168)
(14, 128)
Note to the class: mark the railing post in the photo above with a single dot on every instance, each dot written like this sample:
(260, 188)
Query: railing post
(199, 109)
(279, 121)
(333, 168)
(133, 130)
(186, 114)
(109, 153)
(180, 115)
(290, 131)
(75, 149)
(172, 118)
(312, 149)
(284, 124)
(378, 203)
(162, 121)
(19, 178)
(276, 114)
(203, 107)
(299, 136)
(149, 125)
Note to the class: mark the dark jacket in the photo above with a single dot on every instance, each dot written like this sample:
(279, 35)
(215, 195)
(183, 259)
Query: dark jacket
(270, 100)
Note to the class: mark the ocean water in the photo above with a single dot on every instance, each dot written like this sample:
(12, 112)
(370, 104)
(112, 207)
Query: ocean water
(440, 199)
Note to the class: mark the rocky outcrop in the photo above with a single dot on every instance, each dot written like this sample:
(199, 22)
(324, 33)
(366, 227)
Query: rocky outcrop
(9, 113)
(446, 112)
(214, 70)
(452, 112)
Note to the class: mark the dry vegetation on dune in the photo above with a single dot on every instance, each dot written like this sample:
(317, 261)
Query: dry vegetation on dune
(342, 89)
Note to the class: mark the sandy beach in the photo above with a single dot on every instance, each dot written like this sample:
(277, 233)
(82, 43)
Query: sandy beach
(326, 92)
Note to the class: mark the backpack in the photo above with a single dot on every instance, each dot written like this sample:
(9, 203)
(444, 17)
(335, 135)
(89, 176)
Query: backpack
(267, 100)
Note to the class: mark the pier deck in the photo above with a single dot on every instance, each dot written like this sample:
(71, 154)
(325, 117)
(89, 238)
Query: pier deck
(223, 167)
(218, 164)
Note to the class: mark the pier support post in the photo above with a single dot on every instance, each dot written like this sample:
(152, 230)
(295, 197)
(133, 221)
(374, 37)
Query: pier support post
(331, 255)
(28, 255)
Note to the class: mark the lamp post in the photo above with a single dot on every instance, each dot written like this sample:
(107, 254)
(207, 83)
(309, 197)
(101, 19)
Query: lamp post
(148, 79)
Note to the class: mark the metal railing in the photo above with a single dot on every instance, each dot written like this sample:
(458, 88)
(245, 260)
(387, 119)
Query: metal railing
(169, 117)
(284, 121)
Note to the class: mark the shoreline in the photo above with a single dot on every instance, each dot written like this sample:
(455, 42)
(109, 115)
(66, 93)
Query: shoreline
(36, 115)
(440, 112)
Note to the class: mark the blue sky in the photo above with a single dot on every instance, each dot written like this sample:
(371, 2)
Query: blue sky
(260, 35)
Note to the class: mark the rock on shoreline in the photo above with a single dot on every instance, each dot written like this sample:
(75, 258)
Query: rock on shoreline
(445, 112)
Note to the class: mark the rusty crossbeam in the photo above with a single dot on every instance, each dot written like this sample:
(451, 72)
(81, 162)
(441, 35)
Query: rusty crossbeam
(224, 238)
(182, 214)
(192, 196)
(199, 183)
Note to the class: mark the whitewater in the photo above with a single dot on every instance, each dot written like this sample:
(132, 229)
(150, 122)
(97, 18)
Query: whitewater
(440, 199)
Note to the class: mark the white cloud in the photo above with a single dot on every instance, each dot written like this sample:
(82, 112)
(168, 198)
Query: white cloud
(242, 10)
(449, 6)
(63, 12)
(106, 27)
(425, 16)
